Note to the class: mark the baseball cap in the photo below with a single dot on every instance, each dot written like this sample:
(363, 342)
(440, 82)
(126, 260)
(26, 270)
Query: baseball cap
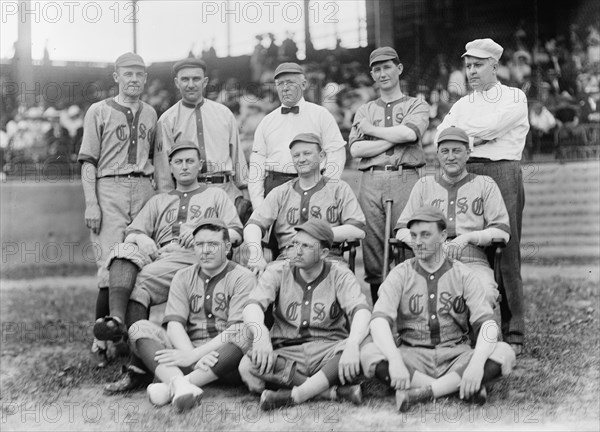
(383, 54)
(453, 134)
(317, 228)
(483, 48)
(129, 59)
(288, 67)
(182, 145)
(207, 222)
(427, 214)
(307, 138)
(190, 62)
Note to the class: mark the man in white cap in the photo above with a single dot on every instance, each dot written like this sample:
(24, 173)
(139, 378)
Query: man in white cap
(494, 117)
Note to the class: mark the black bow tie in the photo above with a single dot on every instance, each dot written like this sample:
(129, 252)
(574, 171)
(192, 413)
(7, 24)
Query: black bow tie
(293, 110)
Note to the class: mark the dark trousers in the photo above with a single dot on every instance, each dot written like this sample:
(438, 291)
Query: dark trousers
(508, 176)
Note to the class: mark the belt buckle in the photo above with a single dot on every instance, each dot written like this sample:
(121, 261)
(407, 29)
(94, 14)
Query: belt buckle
(208, 178)
(388, 167)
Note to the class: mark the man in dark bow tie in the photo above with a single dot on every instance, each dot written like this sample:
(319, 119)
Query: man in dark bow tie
(270, 162)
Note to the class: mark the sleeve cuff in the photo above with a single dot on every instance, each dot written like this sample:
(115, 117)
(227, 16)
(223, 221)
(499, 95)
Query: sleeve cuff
(87, 158)
(176, 318)
(358, 224)
(477, 324)
(256, 302)
(384, 316)
(357, 308)
(415, 129)
(502, 227)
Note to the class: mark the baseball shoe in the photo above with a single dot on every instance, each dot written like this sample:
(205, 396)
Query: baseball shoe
(159, 394)
(133, 379)
(406, 398)
(270, 400)
(350, 393)
(517, 348)
(109, 328)
(479, 398)
(185, 394)
(102, 353)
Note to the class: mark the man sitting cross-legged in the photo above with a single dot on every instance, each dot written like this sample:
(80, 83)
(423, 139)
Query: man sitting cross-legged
(309, 349)
(204, 307)
(159, 243)
(430, 301)
(473, 206)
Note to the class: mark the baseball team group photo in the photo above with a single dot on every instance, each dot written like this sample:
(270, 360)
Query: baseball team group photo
(349, 215)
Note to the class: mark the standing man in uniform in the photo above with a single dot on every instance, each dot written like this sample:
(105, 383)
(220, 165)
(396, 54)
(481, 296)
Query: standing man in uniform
(386, 135)
(270, 162)
(430, 302)
(212, 126)
(494, 117)
(116, 156)
(472, 204)
(159, 243)
(311, 195)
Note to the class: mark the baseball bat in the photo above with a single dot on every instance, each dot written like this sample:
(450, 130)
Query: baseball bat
(387, 233)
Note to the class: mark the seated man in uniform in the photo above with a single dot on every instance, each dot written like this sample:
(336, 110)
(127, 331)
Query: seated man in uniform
(473, 206)
(158, 243)
(321, 319)
(431, 300)
(310, 196)
(205, 304)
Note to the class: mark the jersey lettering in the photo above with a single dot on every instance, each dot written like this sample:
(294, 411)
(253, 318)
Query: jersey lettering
(122, 132)
(333, 214)
(315, 211)
(477, 206)
(210, 213)
(195, 211)
(335, 311)
(438, 203)
(142, 131)
(414, 304)
(399, 117)
(376, 122)
(291, 312)
(171, 215)
(459, 305)
(291, 217)
(319, 310)
(196, 303)
(462, 205)
(446, 301)
(220, 302)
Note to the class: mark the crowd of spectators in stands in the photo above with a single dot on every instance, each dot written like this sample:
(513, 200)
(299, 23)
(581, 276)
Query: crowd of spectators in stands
(559, 76)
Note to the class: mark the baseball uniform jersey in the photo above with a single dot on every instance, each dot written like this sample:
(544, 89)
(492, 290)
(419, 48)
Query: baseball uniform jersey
(212, 126)
(289, 205)
(378, 186)
(118, 142)
(206, 305)
(164, 214)
(430, 310)
(308, 311)
(473, 204)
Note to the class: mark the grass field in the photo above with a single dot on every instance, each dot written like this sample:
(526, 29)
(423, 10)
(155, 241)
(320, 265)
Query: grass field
(48, 382)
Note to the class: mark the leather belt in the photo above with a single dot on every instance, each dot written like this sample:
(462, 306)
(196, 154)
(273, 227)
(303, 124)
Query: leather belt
(217, 178)
(279, 175)
(387, 168)
(130, 175)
